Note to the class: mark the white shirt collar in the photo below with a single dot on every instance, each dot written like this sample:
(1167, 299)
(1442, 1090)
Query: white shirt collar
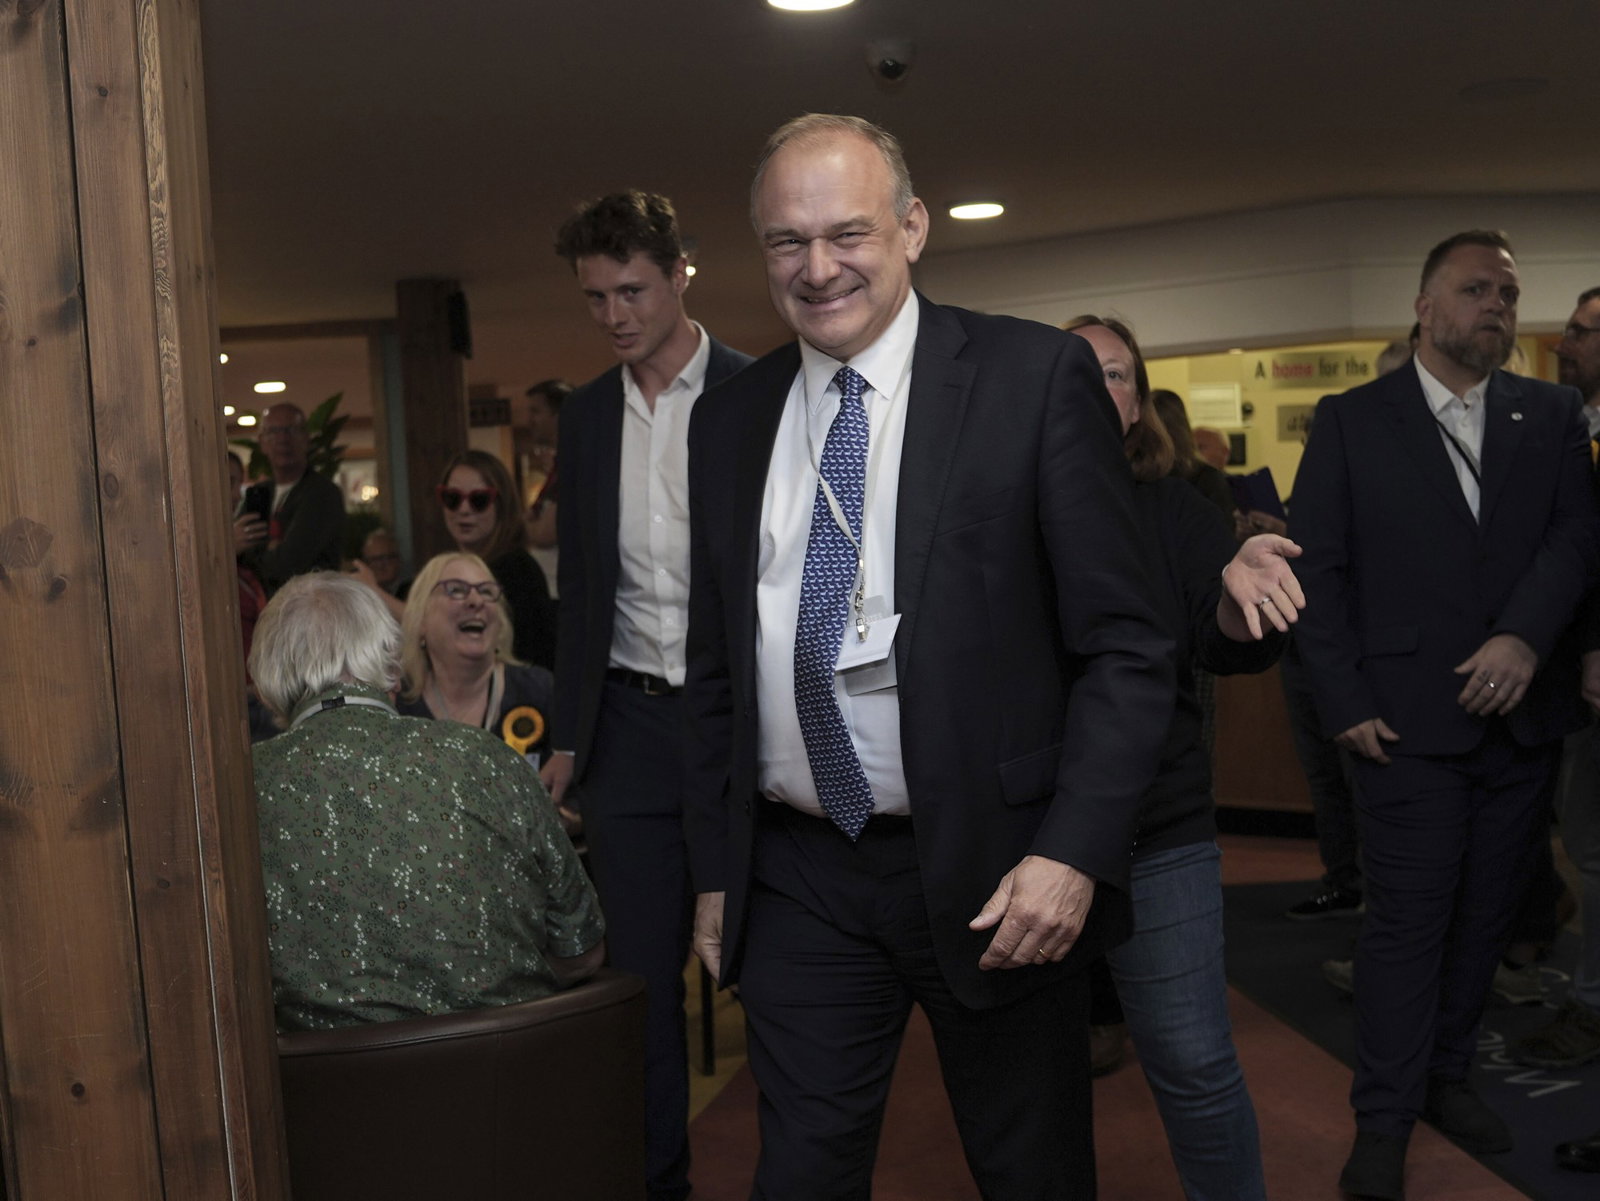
(1439, 396)
(884, 364)
(693, 376)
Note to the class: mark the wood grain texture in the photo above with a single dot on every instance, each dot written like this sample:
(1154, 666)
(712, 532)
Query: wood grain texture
(79, 1096)
(135, 1005)
(434, 387)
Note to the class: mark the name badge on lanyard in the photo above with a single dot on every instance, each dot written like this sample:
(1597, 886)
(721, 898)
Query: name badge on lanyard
(869, 637)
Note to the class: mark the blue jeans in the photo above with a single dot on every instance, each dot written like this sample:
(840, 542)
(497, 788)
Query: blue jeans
(1174, 992)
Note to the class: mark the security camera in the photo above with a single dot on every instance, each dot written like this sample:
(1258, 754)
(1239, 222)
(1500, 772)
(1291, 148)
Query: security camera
(889, 59)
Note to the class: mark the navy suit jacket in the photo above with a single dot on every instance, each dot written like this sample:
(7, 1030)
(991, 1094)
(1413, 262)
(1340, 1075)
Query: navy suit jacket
(1402, 584)
(590, 455)
(1035, 683)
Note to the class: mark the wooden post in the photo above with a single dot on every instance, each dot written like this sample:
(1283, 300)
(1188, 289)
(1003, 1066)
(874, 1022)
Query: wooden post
(434, 391)
(135, 1000)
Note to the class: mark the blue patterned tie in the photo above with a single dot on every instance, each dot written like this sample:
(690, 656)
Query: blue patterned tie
(825, 583)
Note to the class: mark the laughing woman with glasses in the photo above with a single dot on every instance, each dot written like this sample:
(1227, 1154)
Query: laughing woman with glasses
(483, 514)
(456, 654)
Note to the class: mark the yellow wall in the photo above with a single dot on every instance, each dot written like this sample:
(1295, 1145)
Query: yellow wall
(1269, 380)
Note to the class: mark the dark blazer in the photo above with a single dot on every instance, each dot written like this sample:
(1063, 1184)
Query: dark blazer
(590, 455)
(1402, 584)
(1021, 585)
(312, 518)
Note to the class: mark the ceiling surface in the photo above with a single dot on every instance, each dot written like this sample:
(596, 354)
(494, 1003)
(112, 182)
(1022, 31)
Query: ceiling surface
(358, 142)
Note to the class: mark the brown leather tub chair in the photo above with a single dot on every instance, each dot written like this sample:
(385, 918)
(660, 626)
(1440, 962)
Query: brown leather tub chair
(539, 1100)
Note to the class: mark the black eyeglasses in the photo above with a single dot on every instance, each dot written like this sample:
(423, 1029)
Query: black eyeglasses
(478, 499)
(458, 590)
(1577, 333)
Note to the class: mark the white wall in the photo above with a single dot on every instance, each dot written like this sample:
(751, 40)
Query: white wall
(1333, 270)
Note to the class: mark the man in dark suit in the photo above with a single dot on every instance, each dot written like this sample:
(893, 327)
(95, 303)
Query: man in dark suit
(1449, 525)
(294, 522)
(624, 591)
(925, 690)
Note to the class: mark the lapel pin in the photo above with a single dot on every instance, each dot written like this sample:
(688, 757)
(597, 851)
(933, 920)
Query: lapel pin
(1516, 416)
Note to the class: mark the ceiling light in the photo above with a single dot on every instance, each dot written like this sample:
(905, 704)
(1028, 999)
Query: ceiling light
(689, 270)
(271, 385)
(1236, 350)
(247, 419)
(809, 6)
(980, 211)
(227, 410)
(223, 357)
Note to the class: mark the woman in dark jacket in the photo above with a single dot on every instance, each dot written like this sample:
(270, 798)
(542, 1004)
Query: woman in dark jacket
(1228, 608)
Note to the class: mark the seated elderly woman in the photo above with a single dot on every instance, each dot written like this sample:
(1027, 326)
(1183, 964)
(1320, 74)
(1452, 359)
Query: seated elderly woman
(455, 651)
(411, 867)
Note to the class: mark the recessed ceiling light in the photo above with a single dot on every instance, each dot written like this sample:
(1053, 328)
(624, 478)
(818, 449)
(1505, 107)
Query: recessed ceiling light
(247, 419)
(689, 270)
(223, 357)
(227, 410)
(267, 386)
(981, 211)
(809, 6)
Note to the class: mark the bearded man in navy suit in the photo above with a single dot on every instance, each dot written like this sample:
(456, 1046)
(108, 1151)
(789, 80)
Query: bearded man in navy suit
(1448, 519)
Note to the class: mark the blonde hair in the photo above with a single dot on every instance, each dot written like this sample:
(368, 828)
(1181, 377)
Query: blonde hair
(320, 630)
(414, 662)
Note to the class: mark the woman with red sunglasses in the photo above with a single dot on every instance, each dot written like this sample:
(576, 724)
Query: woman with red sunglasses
(483, 515)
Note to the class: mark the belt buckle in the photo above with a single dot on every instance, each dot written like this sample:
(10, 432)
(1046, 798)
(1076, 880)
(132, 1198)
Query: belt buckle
(647, 684)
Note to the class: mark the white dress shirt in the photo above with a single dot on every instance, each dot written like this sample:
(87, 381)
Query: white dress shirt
(653, 523)
(873, 718)
(1463, 417)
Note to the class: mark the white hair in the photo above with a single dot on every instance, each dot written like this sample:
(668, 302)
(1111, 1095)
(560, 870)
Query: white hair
(320, 630)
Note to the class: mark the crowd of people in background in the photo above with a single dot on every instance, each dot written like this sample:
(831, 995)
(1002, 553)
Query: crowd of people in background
(878, 671)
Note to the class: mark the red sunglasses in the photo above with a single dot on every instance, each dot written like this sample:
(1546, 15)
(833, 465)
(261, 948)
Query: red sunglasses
(479, 498)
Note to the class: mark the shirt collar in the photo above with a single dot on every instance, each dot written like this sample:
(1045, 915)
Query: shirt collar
(1439, 396)
(884, 364)
(693, 376)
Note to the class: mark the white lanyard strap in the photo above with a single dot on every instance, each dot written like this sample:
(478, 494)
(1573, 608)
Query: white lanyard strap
(858, 590)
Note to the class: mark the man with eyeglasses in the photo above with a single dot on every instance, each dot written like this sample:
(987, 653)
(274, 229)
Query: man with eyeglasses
(294, 522)
(1572, 1037)
(1447, 517)
(623, 531)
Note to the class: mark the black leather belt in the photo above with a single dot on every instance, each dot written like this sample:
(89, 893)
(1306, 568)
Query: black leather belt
(642, 680)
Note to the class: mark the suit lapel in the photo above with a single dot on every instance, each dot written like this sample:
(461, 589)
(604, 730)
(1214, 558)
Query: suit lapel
(761, 411)
(1502, 436)
(608, 461)
(1418, 434)
(936, 406)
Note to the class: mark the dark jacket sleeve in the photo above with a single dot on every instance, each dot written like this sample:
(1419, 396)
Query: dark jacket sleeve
(572, 626)
(313, 517)
(1200, 545)
(533, 613)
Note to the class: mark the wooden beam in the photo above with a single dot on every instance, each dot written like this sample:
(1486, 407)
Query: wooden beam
(434, 392)
(135, 1002)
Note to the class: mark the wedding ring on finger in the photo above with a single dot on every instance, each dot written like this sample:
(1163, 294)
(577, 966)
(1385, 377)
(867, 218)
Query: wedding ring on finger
(1264, 601)
(1492, 684)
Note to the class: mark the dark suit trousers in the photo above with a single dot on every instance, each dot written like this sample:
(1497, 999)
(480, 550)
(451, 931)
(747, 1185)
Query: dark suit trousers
(633, 819)
(1446, 843)
(837, 949)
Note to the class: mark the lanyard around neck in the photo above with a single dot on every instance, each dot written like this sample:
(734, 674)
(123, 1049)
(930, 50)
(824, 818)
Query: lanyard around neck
(858, 589)
(338, 702)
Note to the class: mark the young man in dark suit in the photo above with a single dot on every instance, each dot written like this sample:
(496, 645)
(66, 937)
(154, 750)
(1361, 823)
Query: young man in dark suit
(1448, 518)
(926, 690)
(624, 589)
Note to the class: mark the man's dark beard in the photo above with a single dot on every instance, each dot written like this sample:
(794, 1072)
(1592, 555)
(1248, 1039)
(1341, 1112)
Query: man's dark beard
(1467, 352)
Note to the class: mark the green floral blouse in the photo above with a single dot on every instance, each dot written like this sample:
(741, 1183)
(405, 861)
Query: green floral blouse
(412, 867)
